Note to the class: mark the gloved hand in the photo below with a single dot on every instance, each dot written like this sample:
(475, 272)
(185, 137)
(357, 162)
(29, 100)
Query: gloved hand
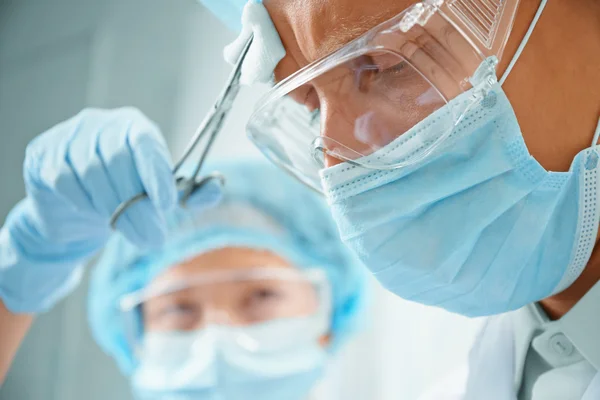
(76, 174)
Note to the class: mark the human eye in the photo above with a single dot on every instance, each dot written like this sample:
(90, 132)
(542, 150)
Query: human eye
(173, 315)
(381, 71)
(263, 302)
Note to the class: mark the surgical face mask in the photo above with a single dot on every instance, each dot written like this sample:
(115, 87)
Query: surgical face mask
(210, 364)
(479, 227)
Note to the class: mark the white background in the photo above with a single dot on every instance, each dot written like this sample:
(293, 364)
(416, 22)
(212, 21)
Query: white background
(164, 56)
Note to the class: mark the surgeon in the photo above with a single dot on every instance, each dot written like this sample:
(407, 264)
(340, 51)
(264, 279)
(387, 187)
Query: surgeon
(246, 300)
(457, 145)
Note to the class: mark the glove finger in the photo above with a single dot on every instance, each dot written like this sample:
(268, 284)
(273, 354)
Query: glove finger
(84, 158)
(209, 195)
(142, 223)
(153, 164)
(53, 184)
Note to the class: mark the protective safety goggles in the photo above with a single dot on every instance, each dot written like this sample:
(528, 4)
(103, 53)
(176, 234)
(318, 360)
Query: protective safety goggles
(237, 306)
(370, 93)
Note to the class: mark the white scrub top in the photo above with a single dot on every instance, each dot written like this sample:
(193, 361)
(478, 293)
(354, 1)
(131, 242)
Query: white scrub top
(523, 355)
(548, 364)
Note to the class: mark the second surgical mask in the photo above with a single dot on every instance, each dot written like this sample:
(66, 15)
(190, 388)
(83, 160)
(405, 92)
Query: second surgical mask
(225, 363)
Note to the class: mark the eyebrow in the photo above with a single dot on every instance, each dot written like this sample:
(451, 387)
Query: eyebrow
(347, 31)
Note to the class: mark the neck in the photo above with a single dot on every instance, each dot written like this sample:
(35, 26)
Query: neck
(558, 305)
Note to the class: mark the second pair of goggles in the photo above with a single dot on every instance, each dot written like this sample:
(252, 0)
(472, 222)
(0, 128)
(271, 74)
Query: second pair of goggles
(244, 303)
(368, 94)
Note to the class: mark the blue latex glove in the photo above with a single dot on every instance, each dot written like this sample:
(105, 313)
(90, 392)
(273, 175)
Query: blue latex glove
(76, 174)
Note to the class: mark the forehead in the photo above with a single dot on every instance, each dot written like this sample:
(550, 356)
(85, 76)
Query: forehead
(311, 29)
(225, 258)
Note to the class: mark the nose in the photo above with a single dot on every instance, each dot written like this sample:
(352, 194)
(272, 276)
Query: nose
(336, 132)
(216, 316)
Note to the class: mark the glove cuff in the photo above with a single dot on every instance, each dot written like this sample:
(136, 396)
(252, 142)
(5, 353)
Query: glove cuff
(35, 272)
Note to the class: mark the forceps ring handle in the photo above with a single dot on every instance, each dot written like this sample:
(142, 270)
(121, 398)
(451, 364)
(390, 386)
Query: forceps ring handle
(189, 187)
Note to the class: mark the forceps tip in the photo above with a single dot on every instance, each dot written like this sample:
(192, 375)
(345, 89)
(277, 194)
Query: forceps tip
(197, 185)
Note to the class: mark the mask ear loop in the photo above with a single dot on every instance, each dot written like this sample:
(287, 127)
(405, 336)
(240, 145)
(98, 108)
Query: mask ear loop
(524, 42)
(596, 135)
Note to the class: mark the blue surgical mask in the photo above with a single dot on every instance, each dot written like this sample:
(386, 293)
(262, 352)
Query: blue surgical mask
(477, 228)
(205, 365)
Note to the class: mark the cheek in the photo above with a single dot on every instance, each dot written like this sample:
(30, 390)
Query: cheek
(301, 96)
(552, 137)
(307, 301)
(285, 68)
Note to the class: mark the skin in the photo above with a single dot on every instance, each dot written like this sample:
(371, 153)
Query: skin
(554, 87)
(13, 328)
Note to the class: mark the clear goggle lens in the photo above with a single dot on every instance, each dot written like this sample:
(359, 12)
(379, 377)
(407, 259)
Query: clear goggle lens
(367, 95)
(239, 306)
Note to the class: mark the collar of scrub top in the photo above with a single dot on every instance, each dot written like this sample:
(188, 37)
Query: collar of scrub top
(581, 326)
(209, 128)
(571, 339)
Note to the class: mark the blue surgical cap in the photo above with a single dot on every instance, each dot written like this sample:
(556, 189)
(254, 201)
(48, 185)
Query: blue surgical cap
(228, 11)
(263, 208)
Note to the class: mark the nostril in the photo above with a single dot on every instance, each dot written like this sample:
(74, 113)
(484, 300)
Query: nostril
(322, 156)
(323, 159)
(331, 161)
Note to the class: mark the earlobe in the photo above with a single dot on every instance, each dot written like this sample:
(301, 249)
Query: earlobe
(325, 340)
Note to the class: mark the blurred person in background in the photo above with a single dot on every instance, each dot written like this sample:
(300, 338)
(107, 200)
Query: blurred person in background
(250, 297)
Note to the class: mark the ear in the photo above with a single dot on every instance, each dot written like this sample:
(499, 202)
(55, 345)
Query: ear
(325, 340)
